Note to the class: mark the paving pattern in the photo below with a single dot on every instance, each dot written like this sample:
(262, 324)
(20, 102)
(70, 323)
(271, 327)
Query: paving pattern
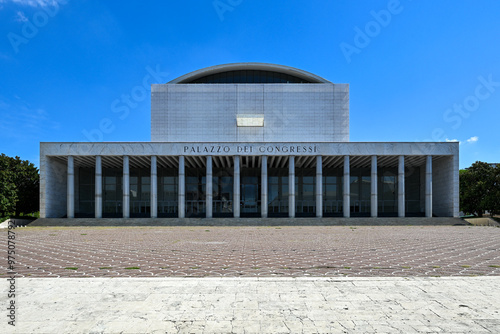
(272, 251)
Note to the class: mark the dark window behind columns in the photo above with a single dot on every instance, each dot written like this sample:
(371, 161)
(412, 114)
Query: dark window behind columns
(86, 192)
(168, 189)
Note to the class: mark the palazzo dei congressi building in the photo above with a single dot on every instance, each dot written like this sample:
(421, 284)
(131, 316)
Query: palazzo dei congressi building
(249, 140)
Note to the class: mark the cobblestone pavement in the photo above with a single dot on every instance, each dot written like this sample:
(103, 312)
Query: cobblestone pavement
(287, 251)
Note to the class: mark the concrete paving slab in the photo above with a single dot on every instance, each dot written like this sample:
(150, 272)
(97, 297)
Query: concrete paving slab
(304, 305)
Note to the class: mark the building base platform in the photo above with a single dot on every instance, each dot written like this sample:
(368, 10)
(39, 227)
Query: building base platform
(137, 222)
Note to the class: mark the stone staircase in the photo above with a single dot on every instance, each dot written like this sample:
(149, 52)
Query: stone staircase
(386, 221)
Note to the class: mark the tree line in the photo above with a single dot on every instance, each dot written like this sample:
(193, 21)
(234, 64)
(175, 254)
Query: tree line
(480, 189)
(19, 187)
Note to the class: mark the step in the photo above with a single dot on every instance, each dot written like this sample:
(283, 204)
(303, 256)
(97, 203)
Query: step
(390, 221)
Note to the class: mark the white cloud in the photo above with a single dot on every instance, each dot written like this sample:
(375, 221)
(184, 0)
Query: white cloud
(451, 140)
(29, 122)
(20, 17)
(473, 139)
(31, 3)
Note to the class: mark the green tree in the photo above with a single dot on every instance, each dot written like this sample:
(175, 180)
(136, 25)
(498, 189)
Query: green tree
(8, 193)
(478, 189)
(492, 202)
(19, 186)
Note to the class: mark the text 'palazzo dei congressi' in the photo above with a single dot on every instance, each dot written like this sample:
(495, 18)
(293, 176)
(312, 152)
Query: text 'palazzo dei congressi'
(249, 140)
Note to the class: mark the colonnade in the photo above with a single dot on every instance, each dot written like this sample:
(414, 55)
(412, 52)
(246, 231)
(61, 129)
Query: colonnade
(236, 190)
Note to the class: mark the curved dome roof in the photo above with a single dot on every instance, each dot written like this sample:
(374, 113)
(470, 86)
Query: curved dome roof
(213, 73)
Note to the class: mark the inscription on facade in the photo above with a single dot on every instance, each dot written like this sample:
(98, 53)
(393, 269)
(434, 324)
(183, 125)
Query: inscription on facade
(245, 149)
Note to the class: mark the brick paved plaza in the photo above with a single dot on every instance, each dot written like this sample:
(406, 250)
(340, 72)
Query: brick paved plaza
(276, 251)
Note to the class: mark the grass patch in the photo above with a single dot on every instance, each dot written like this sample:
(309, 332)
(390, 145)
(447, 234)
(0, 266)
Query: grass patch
(436, 266)
(71, 268)
(195, 267)
(255, 267)
(465, 266)
(224, 268)
(406, 267)
(132, 268)
(347, 267)
(494, 266)
(105, 267)
(83, 234)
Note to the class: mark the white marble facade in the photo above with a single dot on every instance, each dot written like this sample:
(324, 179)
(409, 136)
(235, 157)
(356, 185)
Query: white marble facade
(291, 112)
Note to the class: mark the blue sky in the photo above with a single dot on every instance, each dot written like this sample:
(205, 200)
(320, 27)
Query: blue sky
(418, 70)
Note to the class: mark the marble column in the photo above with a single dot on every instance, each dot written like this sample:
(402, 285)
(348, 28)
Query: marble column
(98, 187)
(182, 188)
(154, 188)
(401, 186)
(291, 187)
(428, 186)
(263, 188)
(70, 196)
(374, 186)
(126, 187)
(319, 186)
(236, 187)
(209, 189)
(347, 188)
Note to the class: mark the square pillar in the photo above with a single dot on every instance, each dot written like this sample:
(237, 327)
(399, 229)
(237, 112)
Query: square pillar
(70, 199)
(347, 188)
(401, 186)
(374, 186)
(98, 186)
(236, 187)
(319, 186)
(263, 188)
(209, 190)
(456, 186)
(182, 188)
(126, 187)
(154, 188)
(428, 186)
(291, 187)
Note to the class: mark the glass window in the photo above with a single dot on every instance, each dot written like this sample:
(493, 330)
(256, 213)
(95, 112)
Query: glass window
(86, 192)
(167, 192)
(249, 76)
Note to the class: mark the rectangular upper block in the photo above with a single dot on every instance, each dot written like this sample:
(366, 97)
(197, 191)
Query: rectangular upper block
(209, 112)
